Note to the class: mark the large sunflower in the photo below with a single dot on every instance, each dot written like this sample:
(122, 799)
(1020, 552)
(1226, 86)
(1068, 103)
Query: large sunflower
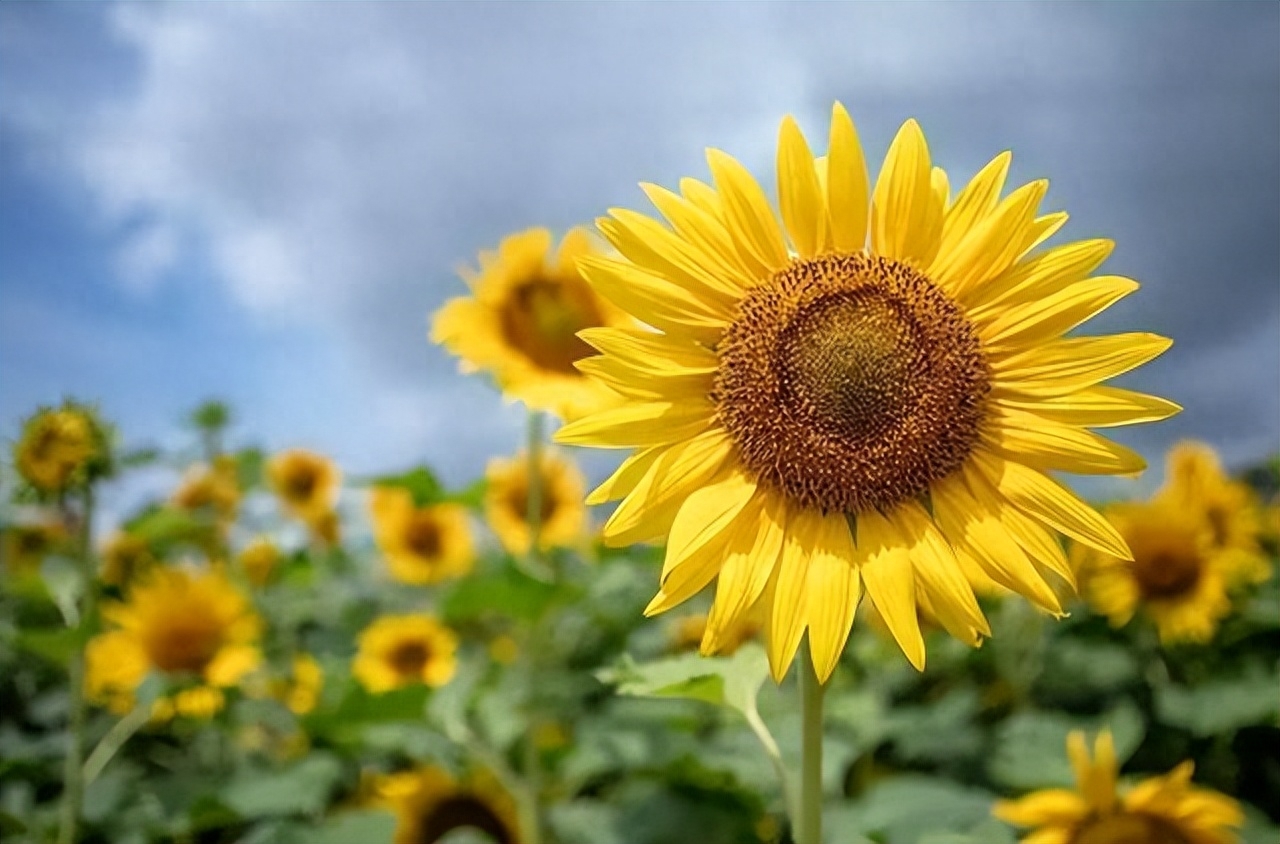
(422, 545)
(429, 803)
(522, 319)
(561, 488)
(1161, 810)
(864, 403)
(403, 650)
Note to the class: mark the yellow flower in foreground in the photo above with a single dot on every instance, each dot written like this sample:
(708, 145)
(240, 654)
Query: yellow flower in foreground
(422, 545)
(24, 546)
(211, 489)
(506, 506)
(306, 483)
(429, 803)
(185, 625)
(1162, 810)
(125, 556)
(522, 318)
(57, 447)
(1175, 575)
(258, 560)
(402, 650)
(1196, 485)
(867, 397)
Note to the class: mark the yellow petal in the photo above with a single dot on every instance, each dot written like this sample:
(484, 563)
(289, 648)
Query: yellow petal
(833, 592)
(654, 300)
(639, 424)
(746, 209)
(702, 230)
(992, 246)
(747, 568)
(1049, 445)
(627, 476)
(906, 220)
(639, 346)
(661, 382)
(800, 197)
(705, 516)
(847, 184)
(1055, 806)
(787, 614)
(1042, 274)
(1055, 314)
(938, 572)
(1097, 407)
(1064, 366)
(672, 477)
(974, 202)
(888, 577)
(655, 249)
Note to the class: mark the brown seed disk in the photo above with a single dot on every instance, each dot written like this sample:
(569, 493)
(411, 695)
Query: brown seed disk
(851, 381)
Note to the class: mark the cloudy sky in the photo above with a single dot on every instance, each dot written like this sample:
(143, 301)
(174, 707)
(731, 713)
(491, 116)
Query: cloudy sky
(264, 202)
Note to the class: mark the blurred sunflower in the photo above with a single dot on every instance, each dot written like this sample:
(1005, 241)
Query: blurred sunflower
(302, 690)
(1161, 810)
(401, 650)
(212, 489)
(258, 560)
(822, 416)
(1197, 486)
(429, 803)
(1175, 576)
(24, 546)
(186, 625)
(125, 556)
(687, 633)
(60, 448)
(325, 527)
(561, 489)
(305, 482)
(422, 545)
(522, 318)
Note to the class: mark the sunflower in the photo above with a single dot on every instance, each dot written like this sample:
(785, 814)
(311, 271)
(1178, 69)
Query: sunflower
(302, 690)
(866, 407)
(188, 626)
(401, 650)
(24, 546)
(1175, 575)
(125, 556)
(1166, 809)
(60, 448)
(561, 489)
(306, 483)
(211, 489)
(1196, 484)
(422, 545)
(429, 803)
(259, 560)
(522, 319)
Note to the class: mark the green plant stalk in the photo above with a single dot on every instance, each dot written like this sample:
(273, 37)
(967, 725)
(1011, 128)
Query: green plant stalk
(111, 743)
(534, 491)
(761, 730)
(527, 798)
(73, 771)
(809, 827)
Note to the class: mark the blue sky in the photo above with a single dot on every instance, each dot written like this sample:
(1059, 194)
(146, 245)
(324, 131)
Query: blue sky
(264, 202)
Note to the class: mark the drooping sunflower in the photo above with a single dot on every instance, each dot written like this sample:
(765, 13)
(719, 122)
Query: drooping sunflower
(1196, 485)
(1175, 575)
(561, 490)
(61, 448)
(522, 318)
(401, 650)
(189, 626)
(429, 803)
(422, 545)
(306, 483)
(258, 560)
(862, 403)
(1166, 809)
(125, 556)
(210, 489)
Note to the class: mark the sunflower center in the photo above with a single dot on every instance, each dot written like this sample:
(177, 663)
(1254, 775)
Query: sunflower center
(301, 484)
(422, 536)
(518, 501)
(1126, 828)
(408, 659)
(1167, 573)
(184, 643)
(461, 812)
(542, 318)
(851, 381)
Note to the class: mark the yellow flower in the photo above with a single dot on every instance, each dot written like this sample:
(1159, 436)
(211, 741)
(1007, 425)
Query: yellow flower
(870, 401)
(504, 649)
(25, 546)
(563, 515)
(306, 483)
(429, 803)
(258, 560)
(302, 692)
(192, 626)
(124, 557)
(57, 448)
(1196, 485)
(421, 544)
(688, 633)
(210, 489)
(521, 322)
(401, 650)
(326, 528)
(1175, 576)
(1166, 809)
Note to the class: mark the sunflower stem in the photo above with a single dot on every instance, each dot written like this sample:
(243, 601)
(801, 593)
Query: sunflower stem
(113, 741)
(73, 771)
(809, 824)
(534, 565)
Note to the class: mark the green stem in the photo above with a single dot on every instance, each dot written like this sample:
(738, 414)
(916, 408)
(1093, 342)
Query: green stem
(113, 741)
(527, 797)
(534, 565)
(73, 772)
(775, 758)
(809, 829)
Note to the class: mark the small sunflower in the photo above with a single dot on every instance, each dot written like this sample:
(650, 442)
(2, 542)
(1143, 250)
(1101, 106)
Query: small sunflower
(259, 560)
(210, 489)
(1166, 809)
(1175, 576)
(24, 546)
(60, 448)
(871, 401)
(422, 545)
(561, 490)
(687, 633)
(1197, 486)
(326, 528)
(402, 650)
(305, 482)
(522, 319)
(302, 690)
(188, 626)
(429, 803)
(125, 556)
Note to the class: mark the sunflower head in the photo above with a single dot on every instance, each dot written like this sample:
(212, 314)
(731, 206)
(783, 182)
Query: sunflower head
(404, 650)
(561, 488)
(865, 397)
(125, 556)
(422, 545)
(1166, 809)
(429, 803)
(62, 448)
(213, 490)
(522, 320)
(1175, 576)
(306, 483)
(259, 560)
(23, 546)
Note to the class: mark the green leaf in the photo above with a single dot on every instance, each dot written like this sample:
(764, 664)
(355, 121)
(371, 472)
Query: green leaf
(56, 645)
(1031, 747)
(421, 483)
(359, 708)
(303, 788)
(1221, 705)
(1076, 669)
(65, 582)
(351, 827)
(585, 822)
(508, 592)
(906, 808)
(724, 681)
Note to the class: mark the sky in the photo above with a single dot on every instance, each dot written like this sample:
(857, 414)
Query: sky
(264, 202)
